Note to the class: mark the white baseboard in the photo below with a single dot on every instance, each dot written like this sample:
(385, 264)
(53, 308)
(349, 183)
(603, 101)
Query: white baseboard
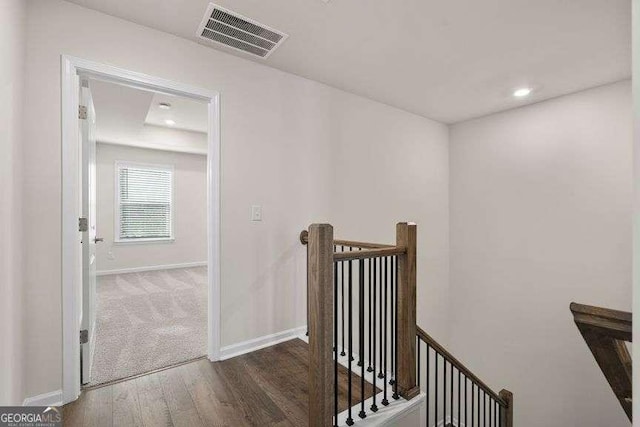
(399, 412)
(449, 420)
(53, 398)
(151, 268)
(261, 342)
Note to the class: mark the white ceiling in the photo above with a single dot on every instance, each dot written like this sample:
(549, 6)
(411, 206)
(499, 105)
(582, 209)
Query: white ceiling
(449, 60)
(120, 110)
(130, 116)
(188, 114)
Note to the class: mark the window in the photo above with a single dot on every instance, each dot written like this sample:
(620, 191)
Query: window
(144, 202)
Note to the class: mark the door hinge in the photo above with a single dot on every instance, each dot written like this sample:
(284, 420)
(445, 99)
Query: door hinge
(84, 336)
(82, 112)
(83, 224)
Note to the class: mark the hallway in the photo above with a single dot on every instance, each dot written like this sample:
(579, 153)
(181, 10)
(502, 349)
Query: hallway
(263, 388)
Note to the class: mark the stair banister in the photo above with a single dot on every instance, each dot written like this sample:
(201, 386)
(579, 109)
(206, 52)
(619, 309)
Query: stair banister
(407, 383)
(389, 267)
(606, 332)
(321, 260)
(321, 328)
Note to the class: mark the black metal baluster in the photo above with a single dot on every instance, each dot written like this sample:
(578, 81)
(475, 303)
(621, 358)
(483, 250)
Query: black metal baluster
(362, 414)
(342, 353)
(371, 322)
(395, 323)
(350, 274)
(374, 261)
(435, 388)
(350, 325)
(466, 405)
(392, 331)
(480, 412)
(382, 348)
(335, 297)
(478, 397)
(335, 342)
(418, 360)
(385, 401)
(459, 400)
(360, 355)
(307, 250)
(484, 399)
(473, 404)
(428, 368)
(451, 394)
(444, 390)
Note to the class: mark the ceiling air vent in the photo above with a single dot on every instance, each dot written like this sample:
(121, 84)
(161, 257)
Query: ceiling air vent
(238, 32)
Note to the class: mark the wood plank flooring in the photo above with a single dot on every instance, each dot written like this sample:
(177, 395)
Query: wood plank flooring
(268, 387)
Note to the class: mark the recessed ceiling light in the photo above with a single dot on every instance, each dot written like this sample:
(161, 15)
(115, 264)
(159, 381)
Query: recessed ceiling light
(170, 122)
(164, 106)
(522, 92)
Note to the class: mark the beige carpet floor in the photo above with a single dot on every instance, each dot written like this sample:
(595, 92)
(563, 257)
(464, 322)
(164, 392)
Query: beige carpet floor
(146, 321)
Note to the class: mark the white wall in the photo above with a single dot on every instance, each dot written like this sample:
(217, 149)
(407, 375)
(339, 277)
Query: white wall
(281, 136)
(397, 172)
(159, 138)
(12, 45)
(540, 217)
(190, 210)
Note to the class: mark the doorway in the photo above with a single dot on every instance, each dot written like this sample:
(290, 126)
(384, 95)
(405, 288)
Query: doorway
(136, 304)
(145, 266)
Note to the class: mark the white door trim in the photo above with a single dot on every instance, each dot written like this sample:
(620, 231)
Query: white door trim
(71, 300)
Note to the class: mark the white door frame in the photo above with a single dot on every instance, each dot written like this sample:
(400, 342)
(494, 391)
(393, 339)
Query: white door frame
(71, 296)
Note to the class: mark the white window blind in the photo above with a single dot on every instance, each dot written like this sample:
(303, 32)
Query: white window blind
(145, 198)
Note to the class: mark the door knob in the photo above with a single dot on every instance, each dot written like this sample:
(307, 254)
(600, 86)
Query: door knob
(98, 239)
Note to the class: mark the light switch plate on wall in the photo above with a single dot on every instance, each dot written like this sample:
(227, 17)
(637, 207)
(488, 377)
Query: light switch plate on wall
(256, 213)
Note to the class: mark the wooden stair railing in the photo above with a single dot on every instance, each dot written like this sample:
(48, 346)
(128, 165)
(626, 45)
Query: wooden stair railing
(360, 273)
(605, 331)
(498, 412)
(396, 268)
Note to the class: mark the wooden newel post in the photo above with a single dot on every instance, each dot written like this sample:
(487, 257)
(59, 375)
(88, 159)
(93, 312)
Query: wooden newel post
(320, 298)
(407, 384)
(506, 416)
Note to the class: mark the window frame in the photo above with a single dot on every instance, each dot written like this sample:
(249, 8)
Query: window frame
(120, 164)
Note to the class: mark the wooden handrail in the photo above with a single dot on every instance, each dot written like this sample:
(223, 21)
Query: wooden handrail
(612, 322)
(459, 365)
(304, 239)
(369, 253)
(605, 331)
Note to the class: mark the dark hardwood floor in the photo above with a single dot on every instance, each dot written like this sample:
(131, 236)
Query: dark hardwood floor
(268, 387)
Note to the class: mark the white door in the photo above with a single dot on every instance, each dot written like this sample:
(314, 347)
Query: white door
(89, 239)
